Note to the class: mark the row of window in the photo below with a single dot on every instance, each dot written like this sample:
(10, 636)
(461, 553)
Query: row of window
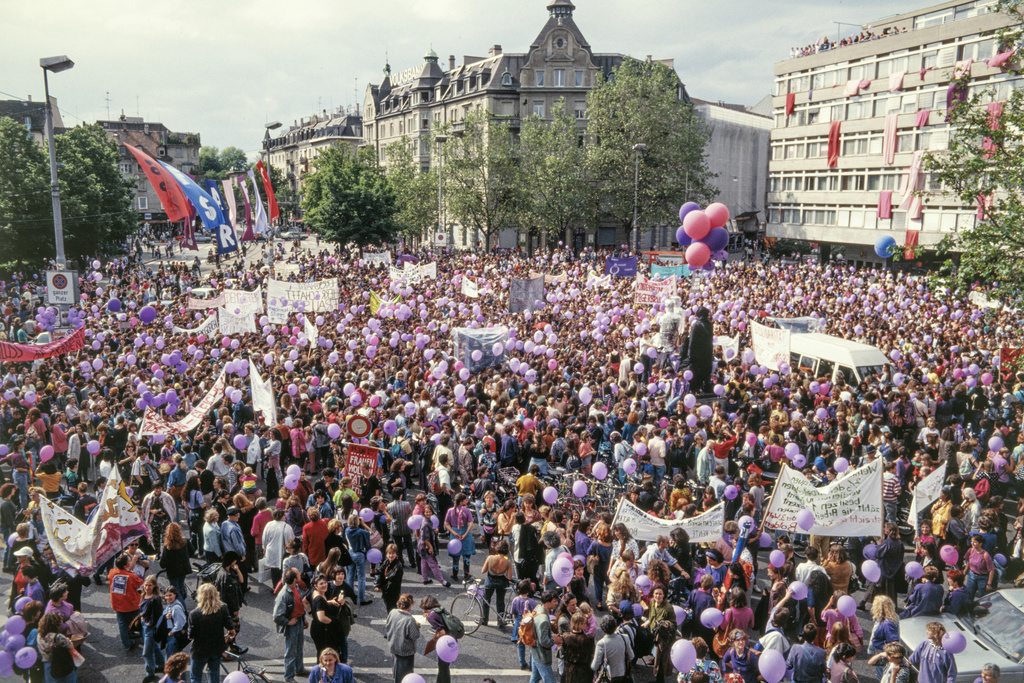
(861, 145)
(866, 218)
(558, 78)
(935, 56)
(858, 180)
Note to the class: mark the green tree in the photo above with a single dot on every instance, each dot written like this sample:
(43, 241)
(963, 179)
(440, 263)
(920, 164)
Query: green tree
(282, 192)
(640, 104)
(96, 200)
(985, 159)
(210, 165)
(233, 160)
(558, 195)
(481, 175)
(415, 189)
(348, 199)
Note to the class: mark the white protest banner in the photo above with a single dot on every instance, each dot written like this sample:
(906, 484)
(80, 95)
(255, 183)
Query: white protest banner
(396, 274)
(412, 272)
(283, 298)
(470, 288)
(381, 258)
(593, 281)
(729, 343)
(204, 304)
(208, 328)
(153, 423)
(116, 521)
(648, 292)
(311, 331)
(926, 493)
(428, 271)
(705, 528)
(262, 395)
(771, 346)
(851, 506)
(238, 298)
(69, 537)
(230, 323)
(551, 279)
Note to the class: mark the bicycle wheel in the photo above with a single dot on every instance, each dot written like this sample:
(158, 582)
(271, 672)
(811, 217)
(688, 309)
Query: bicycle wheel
(469, 610)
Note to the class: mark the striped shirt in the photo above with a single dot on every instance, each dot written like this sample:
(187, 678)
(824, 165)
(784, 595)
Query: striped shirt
(400, 512)
(890, 487)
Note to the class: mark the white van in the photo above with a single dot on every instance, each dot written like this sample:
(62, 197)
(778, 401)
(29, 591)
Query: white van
(821, 354)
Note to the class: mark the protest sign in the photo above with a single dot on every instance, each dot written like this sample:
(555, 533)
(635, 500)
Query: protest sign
(357, 455)
(620, 267)
(523, 294)
(851, 506)
(771, 346)
(647, 292)
(705, 528)
(428, 271)
(926, 492)
(230, 323)
(381, 258)
(208, 328)
(284, 298)
(10, 351)
(470, 288)
(238, 298)
(262, 395)
(593, 281)
(195, 304)
(679, 271)
(153, 423)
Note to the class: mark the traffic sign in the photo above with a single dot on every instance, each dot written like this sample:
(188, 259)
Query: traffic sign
(359, 427)
(62, 287)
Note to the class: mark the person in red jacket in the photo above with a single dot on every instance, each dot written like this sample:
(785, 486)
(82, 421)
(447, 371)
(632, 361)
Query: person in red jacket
(314, 535)
(124, 596)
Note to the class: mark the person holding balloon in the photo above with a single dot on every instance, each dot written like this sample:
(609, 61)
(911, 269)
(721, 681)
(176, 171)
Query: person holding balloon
(458, 521)
(740, 658)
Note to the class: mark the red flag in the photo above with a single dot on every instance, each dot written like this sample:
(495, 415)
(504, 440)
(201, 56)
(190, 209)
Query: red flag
(168, 189)
(275, 213)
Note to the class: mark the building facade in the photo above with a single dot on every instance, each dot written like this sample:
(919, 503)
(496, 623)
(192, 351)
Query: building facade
(852, 124)
(293, 151)
(180, 150)
(560, 64)
(33, 116)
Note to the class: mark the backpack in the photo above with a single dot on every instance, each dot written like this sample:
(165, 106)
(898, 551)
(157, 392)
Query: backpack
(452, 624)
(527, 633)
(433, 483)
(643, 642)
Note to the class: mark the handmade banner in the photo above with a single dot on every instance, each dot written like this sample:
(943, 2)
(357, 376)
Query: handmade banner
(593, 281)
(195, 304)
(262, 395)
(10, 351)
(69, 537)
(153, 423)
(239, 298)
(466, 341)
(396, 274)
(523, 295)
(551, 279)
(620, 267)
(729, 343)
(170, 193)
(116, 521)
(311, 331)
(356, 456)
(428, 271)
(470, 288)
(232, 323)
(381, 258)
(648, 292)
(308, 297)
(704, 528)
(926, 493)
(851, 506)
(268, 189)
(679, 271)
(208, 328)
(771, 346)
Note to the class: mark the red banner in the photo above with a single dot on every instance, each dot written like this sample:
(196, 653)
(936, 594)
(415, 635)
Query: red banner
(357, 456)
(168, 189)
(31, 352)
(275, 212)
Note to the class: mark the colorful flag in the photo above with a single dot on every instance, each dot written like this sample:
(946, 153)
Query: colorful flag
(116, 521)
(261, 216)
(69, 537)
(275, 212)
(170, 193)
(248, 236)
(229, 198)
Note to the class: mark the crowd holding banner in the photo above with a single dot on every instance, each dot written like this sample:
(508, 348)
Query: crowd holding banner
(650, 292)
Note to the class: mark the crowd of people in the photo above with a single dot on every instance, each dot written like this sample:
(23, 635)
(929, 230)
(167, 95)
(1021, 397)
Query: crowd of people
(465, 461)
(824, 44)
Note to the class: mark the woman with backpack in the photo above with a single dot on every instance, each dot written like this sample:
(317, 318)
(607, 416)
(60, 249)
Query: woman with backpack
(435, 619)
(740, 659)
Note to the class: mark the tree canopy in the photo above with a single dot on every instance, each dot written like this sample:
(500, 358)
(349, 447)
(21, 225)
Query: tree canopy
(217, 164)
(348, 199)
(415, 190)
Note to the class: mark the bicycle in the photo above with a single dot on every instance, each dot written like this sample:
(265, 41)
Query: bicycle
(469, 607)
(255, 674)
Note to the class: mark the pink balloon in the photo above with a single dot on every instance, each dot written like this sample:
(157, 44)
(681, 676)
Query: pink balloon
(45, 453)
(698, 253)
(718, 214)
(696, 225)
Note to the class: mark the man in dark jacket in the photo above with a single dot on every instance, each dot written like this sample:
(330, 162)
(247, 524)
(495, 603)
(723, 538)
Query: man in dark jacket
(228, 581)
(699, 351)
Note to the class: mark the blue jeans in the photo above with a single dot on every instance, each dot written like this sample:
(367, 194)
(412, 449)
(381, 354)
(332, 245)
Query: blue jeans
(172, 646)
(21, 481)
(976, 584)
(659, 474)
(542, 464)
(70, 678)
(179, 583)
(520, 648)
(541, 672)
(212, 664)
(8, 554)
(151, 652)
(358, 573)
(124, 620)
(293, 637)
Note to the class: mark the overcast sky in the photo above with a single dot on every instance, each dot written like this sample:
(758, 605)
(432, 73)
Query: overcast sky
(225, 68)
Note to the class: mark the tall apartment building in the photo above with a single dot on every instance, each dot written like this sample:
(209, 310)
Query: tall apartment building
(180, 150)
(559, 64)
(853, 122)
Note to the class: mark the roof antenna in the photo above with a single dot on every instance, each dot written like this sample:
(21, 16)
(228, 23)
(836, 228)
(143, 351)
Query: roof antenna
(108, 105)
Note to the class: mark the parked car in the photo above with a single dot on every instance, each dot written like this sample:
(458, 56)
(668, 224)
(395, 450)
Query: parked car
(292, 235)
(995, 635)
(203, 238)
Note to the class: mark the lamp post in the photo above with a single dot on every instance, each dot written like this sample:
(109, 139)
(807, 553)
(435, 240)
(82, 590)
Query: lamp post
(440, 140)
(56, 65)
(637, 149)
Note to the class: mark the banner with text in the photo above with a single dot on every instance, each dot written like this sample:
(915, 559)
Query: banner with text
(851, 506)
(262, 395)
(208, 328)
(593, 281)
(470, 288)
(239, 298)
(380, 258)
(10, 351)
(926, 493)
(231, 323)
(551, 279)
(195, 304)
(679, 271)
(154, 423)
(771, 346)
(620, 267)
(356, 456)
(648, 292)
(284, 298)
(705, 528)
(116, 522)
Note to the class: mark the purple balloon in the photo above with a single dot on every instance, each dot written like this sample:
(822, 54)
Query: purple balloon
(772, 666)
(805, 519)
(712, 617)
(684, 656)
(954, 642)
(777, 558)
(870, 551)
(847, 606)
(550, 495)
(454, 546)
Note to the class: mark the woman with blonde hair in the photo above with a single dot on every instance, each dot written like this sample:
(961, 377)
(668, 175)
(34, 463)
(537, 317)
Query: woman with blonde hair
(621, 588)
(208, 625)
(151, 610)
(935, 663)
(885, 628)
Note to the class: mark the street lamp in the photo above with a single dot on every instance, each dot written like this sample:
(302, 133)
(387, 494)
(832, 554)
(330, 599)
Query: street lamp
(637, 149)
(440, 140)
(56, 65)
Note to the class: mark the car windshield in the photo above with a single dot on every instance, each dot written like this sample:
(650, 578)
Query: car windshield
(866, 372)
(1004, 626)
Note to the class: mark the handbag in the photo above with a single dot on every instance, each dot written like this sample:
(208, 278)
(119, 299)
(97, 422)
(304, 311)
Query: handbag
(376, 540)
(721, 642)
(262, 571)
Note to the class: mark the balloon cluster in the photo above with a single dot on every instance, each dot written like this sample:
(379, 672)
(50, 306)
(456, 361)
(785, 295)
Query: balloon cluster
(703, 234)
(13, 651)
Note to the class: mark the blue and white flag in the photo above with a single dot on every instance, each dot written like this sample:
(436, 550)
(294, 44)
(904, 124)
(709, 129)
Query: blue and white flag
(620, 267)
(261, 215)
(213, 189)
(208, 209)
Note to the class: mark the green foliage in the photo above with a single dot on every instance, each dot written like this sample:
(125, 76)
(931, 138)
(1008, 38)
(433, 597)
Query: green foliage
(286, 200)
(415, 189)
(217, 164)
(640, 104)
(558, 195)
(985, 158)
(481, 175)
(348, 199)
(96, 200)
